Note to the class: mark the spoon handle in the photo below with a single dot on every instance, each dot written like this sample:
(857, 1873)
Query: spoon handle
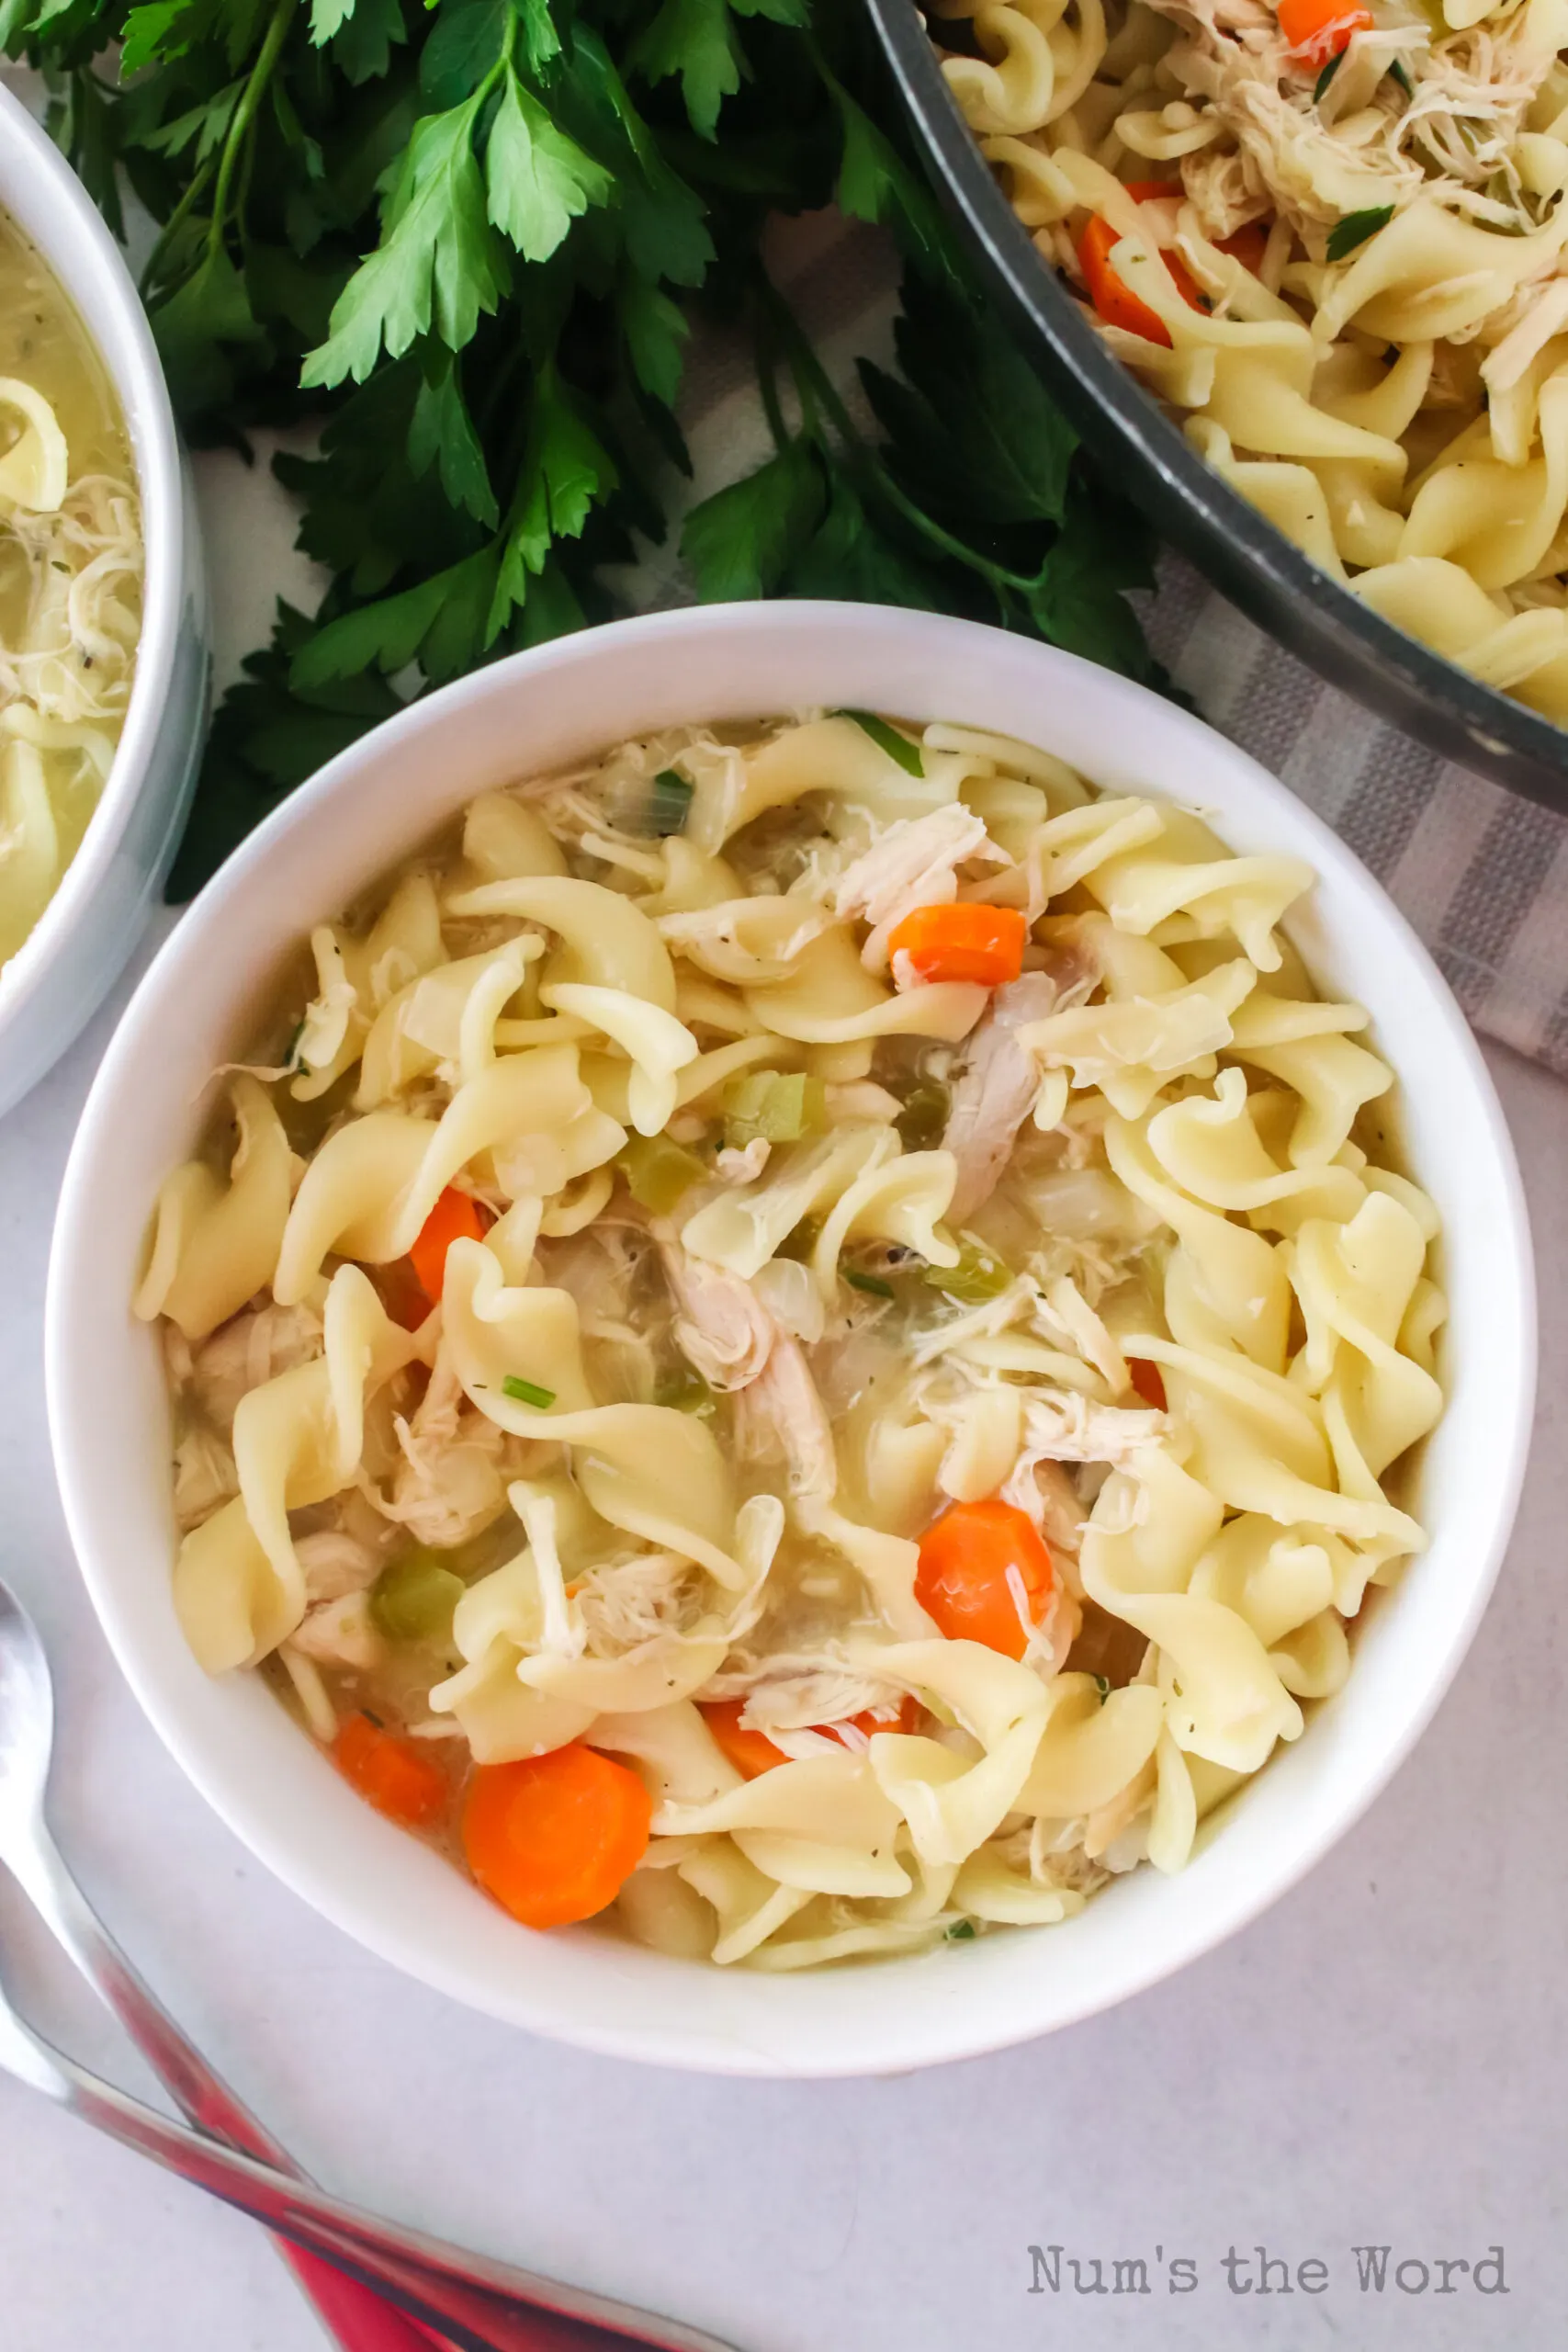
(478, 2304)
(495, 2314)
(356, 2318)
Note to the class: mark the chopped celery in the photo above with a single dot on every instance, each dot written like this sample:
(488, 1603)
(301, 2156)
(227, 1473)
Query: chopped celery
(923, 1122)
(685, 1391)
(528, 1391)
(781, 1110)
(413, 1598)
(978, 1276)
(659, 1172)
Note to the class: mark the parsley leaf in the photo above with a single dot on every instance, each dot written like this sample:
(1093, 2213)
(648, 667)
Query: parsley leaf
(740, 541)
(327, 17)
(698, 41)
(441, 433)
(538, 181)
(437, 266)
(440, 623)
(564, 471)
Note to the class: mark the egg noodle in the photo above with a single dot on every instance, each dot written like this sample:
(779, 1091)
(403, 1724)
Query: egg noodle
(1331, 238)
(905, 1440)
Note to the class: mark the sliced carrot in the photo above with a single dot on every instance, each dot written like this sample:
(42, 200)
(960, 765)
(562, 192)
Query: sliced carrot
(1247, 247)
(750, 1751)
(1148, 1381)
(977, 1562)
(1113, 298)
(554, 1839)
(392, 1774)
(1155, 191)
(1316, 30)
(963, 941)
(457, 1216)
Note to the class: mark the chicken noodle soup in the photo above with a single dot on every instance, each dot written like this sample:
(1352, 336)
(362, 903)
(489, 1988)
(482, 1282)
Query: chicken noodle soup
(1333, 240)
(795, 1336)
(69, 584)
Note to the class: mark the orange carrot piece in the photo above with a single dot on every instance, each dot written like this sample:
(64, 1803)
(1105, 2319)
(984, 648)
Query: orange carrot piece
(392, 1774)
(1316, 30)
(457, 1216)
(1247, 247)
(1113, 298)
(974, 1560)
(750, 1751)
(1148, 1382)
(554, 1839)
(963, 941)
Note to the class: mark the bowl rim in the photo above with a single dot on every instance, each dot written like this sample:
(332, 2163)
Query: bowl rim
(53, 211)
(74, 1324)
(1225, 536)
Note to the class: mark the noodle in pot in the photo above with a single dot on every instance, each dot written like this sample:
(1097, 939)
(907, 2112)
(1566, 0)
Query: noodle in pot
(1333, 241)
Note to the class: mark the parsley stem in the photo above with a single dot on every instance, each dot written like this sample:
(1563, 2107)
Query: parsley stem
(245, 115)
(176, 220)
(812, 378)
(767, 356)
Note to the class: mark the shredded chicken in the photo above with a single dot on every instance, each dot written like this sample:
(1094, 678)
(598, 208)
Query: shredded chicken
(789, 1691)
(913, 864)
(336, 1564)
(720, 1328)
(255, 1347)
(340, 1633)
(625, 1603)
(781, 1415)
(1061, 1425)
(995, 1090)
(450, 1481)
(205, 1476)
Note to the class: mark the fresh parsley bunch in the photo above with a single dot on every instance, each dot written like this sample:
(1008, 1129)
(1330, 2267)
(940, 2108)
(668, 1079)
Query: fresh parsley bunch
(467, 240)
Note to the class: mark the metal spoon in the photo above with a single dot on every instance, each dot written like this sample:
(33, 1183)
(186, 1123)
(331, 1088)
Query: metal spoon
(484, 2305)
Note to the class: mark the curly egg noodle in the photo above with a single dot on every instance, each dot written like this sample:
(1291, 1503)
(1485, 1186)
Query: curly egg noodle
(1334, 242)
(635, 1280)
(69, 585)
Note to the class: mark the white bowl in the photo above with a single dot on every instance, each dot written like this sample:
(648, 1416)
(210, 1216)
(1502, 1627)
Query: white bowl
(111, 1424)
(63, 971)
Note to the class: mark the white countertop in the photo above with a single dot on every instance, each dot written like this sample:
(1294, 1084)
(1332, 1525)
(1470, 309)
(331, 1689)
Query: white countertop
(1379, 2061)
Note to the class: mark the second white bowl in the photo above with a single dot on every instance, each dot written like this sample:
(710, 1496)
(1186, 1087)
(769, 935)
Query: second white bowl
(60, 974)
